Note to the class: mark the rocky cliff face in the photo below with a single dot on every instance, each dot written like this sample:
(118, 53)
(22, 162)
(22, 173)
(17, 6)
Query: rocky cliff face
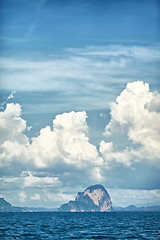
(94, 199)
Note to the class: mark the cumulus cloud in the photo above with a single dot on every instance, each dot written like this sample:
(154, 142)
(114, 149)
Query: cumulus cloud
(111, 154)
(13, 141)
(154, 104)
(12, 125)
(62, 155)
(135, 113)
(67, 143)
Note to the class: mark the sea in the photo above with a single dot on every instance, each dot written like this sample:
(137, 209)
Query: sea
(100, 225)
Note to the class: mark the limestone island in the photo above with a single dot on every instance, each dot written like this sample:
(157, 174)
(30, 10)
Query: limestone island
(94, 199)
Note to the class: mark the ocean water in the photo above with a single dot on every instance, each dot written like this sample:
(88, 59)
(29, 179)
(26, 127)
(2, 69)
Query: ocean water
(113, 225)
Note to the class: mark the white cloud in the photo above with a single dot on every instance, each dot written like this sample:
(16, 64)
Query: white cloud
(36, 197)
(12, 125)
(13, 152)
(22, 196)
(134, 114)
(110, 154)
(64, 153)
(11, 95)
(67, 143)
(154, 104)
(3, 104)
(96, 174)
(13, 141)
(138, 52)
(86, 79)
(90, 67)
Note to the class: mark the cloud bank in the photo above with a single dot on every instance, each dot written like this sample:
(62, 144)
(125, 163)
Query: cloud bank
(67, 141)
(63, 155)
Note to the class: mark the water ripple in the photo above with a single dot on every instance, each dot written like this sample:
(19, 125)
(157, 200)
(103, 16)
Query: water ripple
(79, 226)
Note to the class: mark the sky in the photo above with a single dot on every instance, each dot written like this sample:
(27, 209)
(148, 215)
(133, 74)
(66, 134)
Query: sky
(79, 100)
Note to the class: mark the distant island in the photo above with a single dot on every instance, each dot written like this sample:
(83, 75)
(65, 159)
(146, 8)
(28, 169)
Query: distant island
(7, 207)
(94, 199)
(133, 208)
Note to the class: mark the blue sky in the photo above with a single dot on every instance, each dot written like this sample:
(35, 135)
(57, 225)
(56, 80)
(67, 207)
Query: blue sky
(45, 27)
(79, 94)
